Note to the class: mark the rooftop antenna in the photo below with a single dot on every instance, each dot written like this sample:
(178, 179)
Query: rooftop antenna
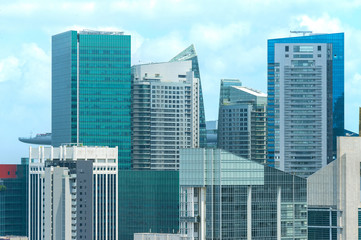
(303, 32)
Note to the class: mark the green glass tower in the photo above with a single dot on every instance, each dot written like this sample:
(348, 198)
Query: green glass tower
(91, 90)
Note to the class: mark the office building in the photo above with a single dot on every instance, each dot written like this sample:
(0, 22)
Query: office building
(166, 113)
(73, 193)
(333, 195)
(91, 90)
(224, 196)
(13, 199)
(305, 101)
(148, 202)
(242, 121)
(211, 133)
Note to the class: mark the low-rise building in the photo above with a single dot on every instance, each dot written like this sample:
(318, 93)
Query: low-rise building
(224, 196)
(156, 236)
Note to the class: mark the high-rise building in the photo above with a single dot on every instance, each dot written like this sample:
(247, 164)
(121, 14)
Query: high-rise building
(224, 196)
(91, 90)
(305, 101)
(189, 54)
(242, 121)
(73, 193)
(13, 199)
(166, 113)
(333, 195)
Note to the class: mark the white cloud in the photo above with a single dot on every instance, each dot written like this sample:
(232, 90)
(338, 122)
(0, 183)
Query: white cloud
(323, 24)
(28, 72)
(9, 69)
(160, 49)
(81, 7)
(353, 86)
(19, 9)
(217, 36)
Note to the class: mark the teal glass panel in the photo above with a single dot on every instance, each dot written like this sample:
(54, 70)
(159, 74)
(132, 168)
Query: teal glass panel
(148, 201)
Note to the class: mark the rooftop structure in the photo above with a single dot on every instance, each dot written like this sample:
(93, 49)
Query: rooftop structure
(41, 139)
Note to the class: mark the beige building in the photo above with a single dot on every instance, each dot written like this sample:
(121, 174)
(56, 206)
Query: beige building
(13, 238)
(334, 206)
(156, 236)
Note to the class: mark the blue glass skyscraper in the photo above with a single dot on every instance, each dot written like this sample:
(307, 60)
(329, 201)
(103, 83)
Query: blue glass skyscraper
(305, 88)
(91, 90)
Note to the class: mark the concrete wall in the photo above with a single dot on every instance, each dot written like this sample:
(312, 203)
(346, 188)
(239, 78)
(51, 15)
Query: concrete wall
(156, 236)
(338, 185)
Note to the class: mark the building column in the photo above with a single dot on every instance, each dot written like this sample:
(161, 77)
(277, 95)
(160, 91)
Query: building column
(279, 213)
(249, 213)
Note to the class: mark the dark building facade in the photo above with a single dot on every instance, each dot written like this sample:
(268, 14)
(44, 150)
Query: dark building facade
(13, 199)
(148, 201)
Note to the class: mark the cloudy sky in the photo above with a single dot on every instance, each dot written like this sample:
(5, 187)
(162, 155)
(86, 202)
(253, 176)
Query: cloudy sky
(230, 38)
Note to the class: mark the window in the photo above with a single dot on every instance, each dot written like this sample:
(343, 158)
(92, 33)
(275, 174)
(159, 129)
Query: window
(305, 49)
(318, 48)
(287, 48)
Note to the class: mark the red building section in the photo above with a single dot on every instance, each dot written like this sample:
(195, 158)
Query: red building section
(8, 170)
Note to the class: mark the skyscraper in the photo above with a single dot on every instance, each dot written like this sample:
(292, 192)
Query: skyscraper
(305, 101)
(189, 54)
(91, 90)
(242, 120)
(73, 193)
(167, 113)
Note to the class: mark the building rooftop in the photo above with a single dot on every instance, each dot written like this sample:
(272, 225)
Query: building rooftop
(251, 91)
(94, 32)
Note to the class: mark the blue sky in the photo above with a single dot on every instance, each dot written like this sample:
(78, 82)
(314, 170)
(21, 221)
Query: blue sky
(230, 38)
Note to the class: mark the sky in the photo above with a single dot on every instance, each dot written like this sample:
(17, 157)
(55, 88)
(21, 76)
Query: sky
(230, 38)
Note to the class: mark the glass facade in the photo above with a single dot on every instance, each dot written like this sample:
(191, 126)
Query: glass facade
(212, 132)
(91, 91)
(13, 200)
(335, 87)
(243, 199)
(322, 223)
(148, 201)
